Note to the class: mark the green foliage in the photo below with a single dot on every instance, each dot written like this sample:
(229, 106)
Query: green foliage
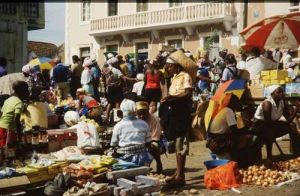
(210, 40)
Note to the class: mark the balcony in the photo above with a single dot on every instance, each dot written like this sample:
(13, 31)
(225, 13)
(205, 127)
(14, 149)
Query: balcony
(204, 13)
(32, 12)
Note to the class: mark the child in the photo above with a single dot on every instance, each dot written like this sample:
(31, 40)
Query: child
(10, 113)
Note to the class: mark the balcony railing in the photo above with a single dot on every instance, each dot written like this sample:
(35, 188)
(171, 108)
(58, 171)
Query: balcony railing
(194, 13)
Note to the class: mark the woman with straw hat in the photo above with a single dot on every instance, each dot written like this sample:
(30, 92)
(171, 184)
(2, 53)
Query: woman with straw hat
(175, 112)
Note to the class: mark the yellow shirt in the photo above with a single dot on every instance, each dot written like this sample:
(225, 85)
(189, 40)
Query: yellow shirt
(179, 83)
(35, 115)
(11, 107)
(124, 69)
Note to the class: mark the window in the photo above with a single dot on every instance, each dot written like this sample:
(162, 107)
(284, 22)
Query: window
(175, 3)
(112, 7)
(176, 43)
(142, 5)
(86, 10)
(294, 5)
(85, 52)
(112, 48)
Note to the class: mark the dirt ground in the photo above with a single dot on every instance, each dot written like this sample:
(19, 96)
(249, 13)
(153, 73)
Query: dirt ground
(195, 170)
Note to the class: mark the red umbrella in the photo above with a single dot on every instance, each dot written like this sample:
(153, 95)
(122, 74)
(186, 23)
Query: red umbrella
(281, 31)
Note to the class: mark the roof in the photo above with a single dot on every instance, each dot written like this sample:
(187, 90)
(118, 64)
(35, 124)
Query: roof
(42, 49)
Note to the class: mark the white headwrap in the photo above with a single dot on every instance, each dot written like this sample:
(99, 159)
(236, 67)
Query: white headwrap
(71, 118)
(140, 76)
(272, 88)
(128, 107)
(112, 60)
(26, 68)
(110, 55)
(87, 62)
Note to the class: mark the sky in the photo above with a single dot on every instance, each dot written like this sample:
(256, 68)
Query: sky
(54, 31)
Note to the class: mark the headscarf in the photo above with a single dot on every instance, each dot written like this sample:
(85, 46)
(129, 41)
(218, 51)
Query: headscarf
(81, 91)
(272, 88)
(26, 69)
(140, 76)
(112, 60)
(87, 62)
(142, 105)
(128, 107)
(71, 118)
(110, 55)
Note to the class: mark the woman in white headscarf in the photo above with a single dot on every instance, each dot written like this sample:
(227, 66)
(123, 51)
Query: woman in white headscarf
(87, 134)
(273, 119)
(86, 77)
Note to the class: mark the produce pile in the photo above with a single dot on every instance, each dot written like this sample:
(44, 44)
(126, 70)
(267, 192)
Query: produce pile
(275, 173)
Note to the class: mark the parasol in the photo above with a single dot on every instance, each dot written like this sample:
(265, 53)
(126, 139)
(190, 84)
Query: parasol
(41, 63)
(7, 82)
(281, 31)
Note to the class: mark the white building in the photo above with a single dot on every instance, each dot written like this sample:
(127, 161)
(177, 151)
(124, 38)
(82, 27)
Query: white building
(142, 27)
(16, 19)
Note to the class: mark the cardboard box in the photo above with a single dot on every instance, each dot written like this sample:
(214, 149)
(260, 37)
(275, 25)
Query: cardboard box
(265, 77)
(256, 92)
(278, 74)
(265, 73)
(292, 90)
(14, 182)
(266, 82)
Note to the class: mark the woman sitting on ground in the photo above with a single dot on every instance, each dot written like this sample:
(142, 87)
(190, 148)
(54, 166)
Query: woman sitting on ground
(131, 136)
(87, 105)
(142, 109)
(273, 119)
(224, 138)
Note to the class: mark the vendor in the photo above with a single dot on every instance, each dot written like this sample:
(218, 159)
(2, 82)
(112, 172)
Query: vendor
(142, 109)
(38, 113)
(224, 138)
(255, 63)
(175, 113)
(273, 119)
(131, 136)
(10, 113)
(87, 135)
(87, 105)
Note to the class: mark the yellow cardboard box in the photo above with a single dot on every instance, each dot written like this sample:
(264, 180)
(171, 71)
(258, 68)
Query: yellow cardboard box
(266, 82)
(278, 74)
(265, 77)
(265, 73)
(288, 80)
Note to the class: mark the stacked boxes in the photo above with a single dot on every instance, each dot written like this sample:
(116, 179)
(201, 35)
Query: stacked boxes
(267, 78)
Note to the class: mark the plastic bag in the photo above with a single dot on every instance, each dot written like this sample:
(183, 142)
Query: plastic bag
(223, 177)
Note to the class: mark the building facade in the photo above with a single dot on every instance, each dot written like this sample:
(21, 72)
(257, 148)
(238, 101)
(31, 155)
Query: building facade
(16, 19)
(143, 26)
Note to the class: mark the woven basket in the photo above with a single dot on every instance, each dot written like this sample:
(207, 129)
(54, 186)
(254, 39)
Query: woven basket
(188, 64)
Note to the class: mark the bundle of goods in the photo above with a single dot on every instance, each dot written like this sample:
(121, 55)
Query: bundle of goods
(261, 176)
(276, 173)
(91, 121)
(63, 106)
(290, 165)
(86, 170)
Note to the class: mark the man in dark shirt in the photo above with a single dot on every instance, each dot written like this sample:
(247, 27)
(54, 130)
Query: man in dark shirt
(60, 80)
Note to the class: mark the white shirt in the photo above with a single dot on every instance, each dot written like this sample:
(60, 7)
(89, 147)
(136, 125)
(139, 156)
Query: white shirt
(87, 134)
(254, 65)
(276, 111)
(138, 87)
(222, 121)
(241, 65)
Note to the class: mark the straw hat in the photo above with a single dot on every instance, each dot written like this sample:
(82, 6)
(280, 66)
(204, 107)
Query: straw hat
(188, 64)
